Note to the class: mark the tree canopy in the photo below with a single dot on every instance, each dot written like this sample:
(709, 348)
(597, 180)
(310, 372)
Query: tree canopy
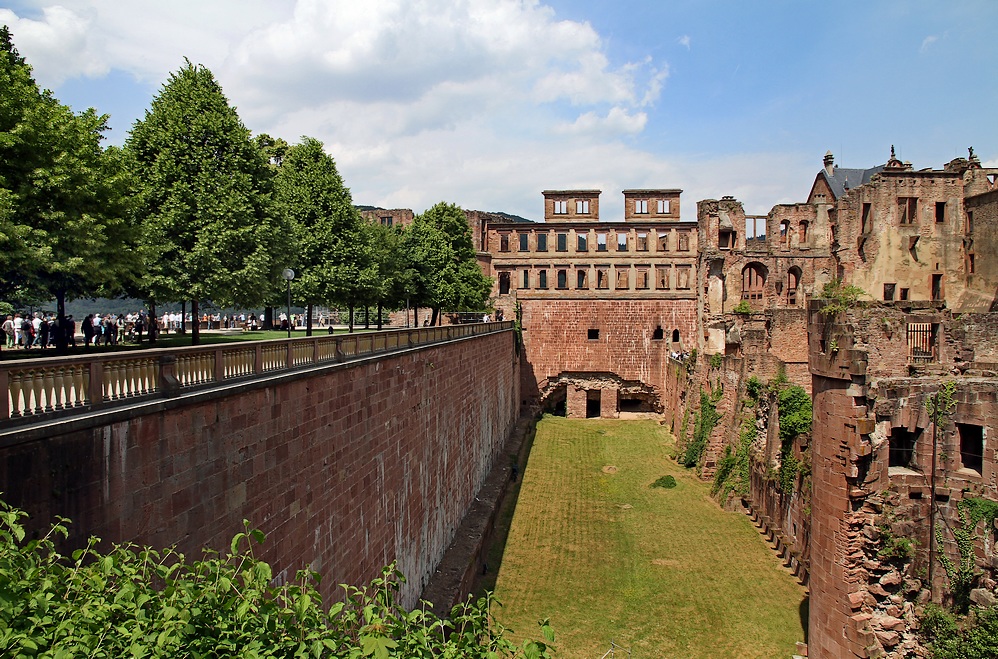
(209, 229)
(64, 200)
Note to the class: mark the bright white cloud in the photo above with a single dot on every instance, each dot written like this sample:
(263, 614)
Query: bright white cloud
(684, 41)
(58, 45)
(617, 121)
(927, 42)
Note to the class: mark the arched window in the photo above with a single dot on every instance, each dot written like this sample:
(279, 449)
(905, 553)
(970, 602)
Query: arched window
(675, 336)
(658, 334)
(753, 281)
(793, 283)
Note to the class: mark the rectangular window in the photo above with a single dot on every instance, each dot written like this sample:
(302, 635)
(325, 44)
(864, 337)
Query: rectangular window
(889, 292)
(971, 446)
(937, 287)
(563, 279)
(602, 278)
(582, 207)
(641, 206)
(663, 206)
(524, 242)
(724, 240)
(386, 220)
(542, 279)
(663, 241)
(940, 212)
(581, 279)
(867, 218)
(642, 245)
(562, 245)
(970, 263)
(592, 334)
(902, 448)
(970, 221)
(526, 279)
(583, 242)
(907, 210)
(684, 241)
(561, 208)
(662, 278)
(503, 242)
(904, 294)
(542, 242)
(641, 278)
(621, 242)
(623, 281)
(600, 242)
(922, 342)
(683, 277)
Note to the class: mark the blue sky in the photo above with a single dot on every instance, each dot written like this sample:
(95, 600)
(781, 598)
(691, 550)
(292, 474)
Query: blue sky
(487, 102)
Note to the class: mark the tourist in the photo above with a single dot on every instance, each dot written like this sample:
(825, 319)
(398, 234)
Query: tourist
(43, 333)
(18, 327)
(8, 330)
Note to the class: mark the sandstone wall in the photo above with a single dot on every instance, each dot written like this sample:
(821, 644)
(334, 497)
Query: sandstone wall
(346, 468)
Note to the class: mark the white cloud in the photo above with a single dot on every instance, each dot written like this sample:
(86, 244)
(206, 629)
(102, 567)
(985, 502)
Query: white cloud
(684, 41)
(58, 45)
(617, 121)
(990, 164)
(927, 42)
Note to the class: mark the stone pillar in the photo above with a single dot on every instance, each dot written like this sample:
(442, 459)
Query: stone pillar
(609, 407)
(575, 405)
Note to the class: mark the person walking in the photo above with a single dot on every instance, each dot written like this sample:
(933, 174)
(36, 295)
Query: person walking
(88, 329)
(8, 330)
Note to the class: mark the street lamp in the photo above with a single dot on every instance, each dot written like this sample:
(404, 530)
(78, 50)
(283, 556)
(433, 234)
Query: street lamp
(288, 275)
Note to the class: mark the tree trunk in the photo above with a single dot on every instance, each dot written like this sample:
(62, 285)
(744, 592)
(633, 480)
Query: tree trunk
(195, 324)
(379, 316)
(350, 329)
(434, 316)
(153, 322)
(367, 317)
(62, 338)
(308, 320)
(268, 318)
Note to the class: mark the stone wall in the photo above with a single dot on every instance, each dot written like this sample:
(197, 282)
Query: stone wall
(345, 468)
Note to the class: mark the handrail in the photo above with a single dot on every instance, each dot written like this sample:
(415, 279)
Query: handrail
(55, 387)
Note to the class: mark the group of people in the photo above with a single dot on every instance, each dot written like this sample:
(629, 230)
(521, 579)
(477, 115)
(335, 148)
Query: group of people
(36, 331)
(110, 330)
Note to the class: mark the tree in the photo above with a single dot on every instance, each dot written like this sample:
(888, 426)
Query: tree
(329, 247)
(64, 200)
(441, 253)
(209, 227)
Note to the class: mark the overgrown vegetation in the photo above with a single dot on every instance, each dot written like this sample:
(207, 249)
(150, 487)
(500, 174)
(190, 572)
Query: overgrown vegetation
(140, 602)
(734, 470)
(795, 419)
(703, 424)
(716, 360)
(839, 297)
(743, 307)
(958, 637)
(963, 574)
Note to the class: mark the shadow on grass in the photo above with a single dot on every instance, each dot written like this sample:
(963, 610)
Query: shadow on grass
(805, 613)
(495, 543)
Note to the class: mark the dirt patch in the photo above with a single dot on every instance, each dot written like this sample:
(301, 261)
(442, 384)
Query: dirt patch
(609, 469)
(624, 506)
(665, 562)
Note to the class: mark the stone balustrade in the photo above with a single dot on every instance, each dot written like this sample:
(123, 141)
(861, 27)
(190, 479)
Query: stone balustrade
(49, 387)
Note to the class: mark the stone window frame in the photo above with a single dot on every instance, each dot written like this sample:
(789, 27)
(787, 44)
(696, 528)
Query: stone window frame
(542, 279)
(524, 239)
(641, 241)
(642, 277)
(663, 206)
(622, 246)
(542, 241)
(582, 207)
(504, 241)
(640, 206)
(907, 210)
(560, 207)
(561, 241)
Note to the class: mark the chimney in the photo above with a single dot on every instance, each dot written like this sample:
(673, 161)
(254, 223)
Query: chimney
(829, 163)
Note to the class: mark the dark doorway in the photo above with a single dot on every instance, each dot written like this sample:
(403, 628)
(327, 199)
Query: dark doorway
(971, 446)
(902, 447)
(557, 402)
(635, 405)
(593, 404)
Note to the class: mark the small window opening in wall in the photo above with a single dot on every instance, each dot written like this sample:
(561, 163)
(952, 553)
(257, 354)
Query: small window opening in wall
(593, 334)
(623, 281)
(642, 245)
(503, 242)
(563, 279)
(602, 279)
(802, 231)
(922, 342)
(542, 279)
(560, 207)
(600, 242)
(913, 247)
(907, 210)
(970, 263)
(889, 292)
(971, 446)
(905, 293)
(641, 206)
(503, 283)
(658, 334)
(524, 242)
(867, 218)
(937, 286)
(581, 279)
(663, 207)
(784, 230)
(970, 221)
(526, 279)
(562, 242)
(542, 242)
(663, 241)
(621, 242)
(582, 207)
(583, 243)
(724, 239)
(684, 241)
(641, 278)
(902, 447)
(675, 336)
(940, 212)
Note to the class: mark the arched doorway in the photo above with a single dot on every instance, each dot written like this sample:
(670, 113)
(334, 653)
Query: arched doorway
(753, 282)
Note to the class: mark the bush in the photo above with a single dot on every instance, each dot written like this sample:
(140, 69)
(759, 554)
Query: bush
(743, 307)
(139, 602)
(949, 637)
(703, 425)
(667, 482)
(753, 387)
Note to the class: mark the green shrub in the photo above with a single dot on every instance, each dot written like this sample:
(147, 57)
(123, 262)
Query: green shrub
(839, 297)
(971, 637)
(703, 424)
(753, 387)
(743, 307)
(667, 482)
(716, 360)
(140, 602)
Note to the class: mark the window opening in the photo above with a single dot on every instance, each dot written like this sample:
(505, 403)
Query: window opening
(662, 281)
(937, 287)
(663, 241)
(793, 283)
(593, 404)
(970, 263)
(542, 242)
(503, 242)
(593, 334)
(582, 244)
(641, 278)
(600, 242)
(526, 279)
(907, 210)
(755, 229)
(922, 342)
(904, 294)
(621, 242)
(970, 221)
(602, 278)
(684, 241)
(524, 242)
(971, 446)
(784, 230)
(582, 206)
(753, 282)
(683, 277)
(562, 245)
(724, 240)
(902, 447)
(542, 279)
(867, 222)
(563, 279)
(641, 206)
(889, 292)
(386, 220)
(622, 279)
(561, 208)
(503, 283)
(675, 336)
(940, 212)
(663, 207)
(912, 246)
(581, 279)
(803, 232)
(642, 242)
(658, 334)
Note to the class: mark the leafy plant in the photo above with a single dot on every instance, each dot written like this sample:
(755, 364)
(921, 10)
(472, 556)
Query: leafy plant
(140, 602)
(952, 637)
(703, 425)
(716, 360)
(839, 297)
(963, 574)
(753, 387)
(743, 307)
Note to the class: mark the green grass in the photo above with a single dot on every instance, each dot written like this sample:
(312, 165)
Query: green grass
(665, 572)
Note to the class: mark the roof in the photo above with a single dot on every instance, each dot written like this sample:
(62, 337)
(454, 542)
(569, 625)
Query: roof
(844, 179)
(571, 192)
(653, 191)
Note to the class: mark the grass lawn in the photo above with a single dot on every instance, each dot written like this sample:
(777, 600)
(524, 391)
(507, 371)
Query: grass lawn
(664, 572)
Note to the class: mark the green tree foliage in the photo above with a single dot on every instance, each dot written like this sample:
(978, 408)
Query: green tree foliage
(795, 412)
(441, 255)
(139, 602)
(972, 637)
(64, 216)
(703, 425)
(839, 297)
(209, 228)
(331, 255)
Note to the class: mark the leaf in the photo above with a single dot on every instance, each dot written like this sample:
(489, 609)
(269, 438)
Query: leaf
(378, 646)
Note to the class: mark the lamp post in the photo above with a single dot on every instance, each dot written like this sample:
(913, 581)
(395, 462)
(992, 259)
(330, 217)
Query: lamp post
(288, 275)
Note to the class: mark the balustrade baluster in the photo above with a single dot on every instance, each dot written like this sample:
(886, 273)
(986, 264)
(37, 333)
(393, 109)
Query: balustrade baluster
(48, 386)
(16, 386)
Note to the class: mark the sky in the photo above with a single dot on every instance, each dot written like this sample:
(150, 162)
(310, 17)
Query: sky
(485, 103)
